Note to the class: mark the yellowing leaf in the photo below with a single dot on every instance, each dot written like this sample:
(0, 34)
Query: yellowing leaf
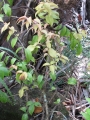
(53, 5)
(31, 47)
(21, 91)
(52, 68)
(39, 6)
(52, 53)
(11, 30)
(5, 27)
(64, 59)
(13, 67)
(23, 76)
(19, 72)
(48, 44)
(28, 22)
(46, 64)
(1, 19)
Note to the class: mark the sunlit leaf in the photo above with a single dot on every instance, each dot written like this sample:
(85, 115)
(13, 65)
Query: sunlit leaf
(13, 41)
(7, 9)
(72, 81)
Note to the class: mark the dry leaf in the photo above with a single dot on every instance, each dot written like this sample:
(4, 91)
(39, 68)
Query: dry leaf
(13, 67)
(23, 76)
(21, 19)
(38, 109)
(5, 27)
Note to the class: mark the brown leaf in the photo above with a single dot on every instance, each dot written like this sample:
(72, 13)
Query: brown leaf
(38, 109)
(23, 76)
(21, 19)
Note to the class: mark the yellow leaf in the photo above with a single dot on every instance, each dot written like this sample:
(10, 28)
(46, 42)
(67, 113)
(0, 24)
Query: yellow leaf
(53, 5)
(27, 24)
(1, 19)
(29, 20)
(52, 68)
(13, 67)
(63, 58)
(48, 44)
(46, 64)
(52, 53)
(23, 76)
(19, 72)
(21, 91)
(5, 27)
(11, 30)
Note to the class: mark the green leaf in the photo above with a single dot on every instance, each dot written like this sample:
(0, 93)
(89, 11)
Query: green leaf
(49, 19)
(37, 104)
(29, 103)
(20, 48)
(13, 41)
(25, 116)
(79, 49)
(23, 109)
(40, 85)
(10, 51)
(57, 101)
(13, 60)
(72, 81)
(86, 114)
(4, 97)
(39, 79)
(34, 40)
(29, 56)
(7, 9)
(88, 99)
(3, 72)
(2, 54)
(53, 88)
(31, 109)
(6, 87)
(6, 59)
(53, 76)
(10, 2)
(63, 31)
(30, 77)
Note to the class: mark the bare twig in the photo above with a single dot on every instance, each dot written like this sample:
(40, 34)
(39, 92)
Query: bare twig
(46, 106)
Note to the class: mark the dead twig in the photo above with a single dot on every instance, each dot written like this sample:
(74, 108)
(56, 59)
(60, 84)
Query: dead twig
(46, 106)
